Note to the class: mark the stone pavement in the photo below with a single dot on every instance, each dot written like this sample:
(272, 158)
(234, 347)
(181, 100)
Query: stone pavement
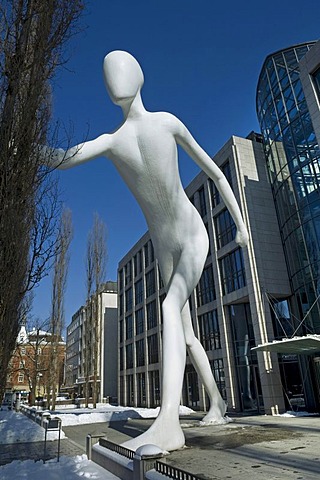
(35, 450)
(270, 448)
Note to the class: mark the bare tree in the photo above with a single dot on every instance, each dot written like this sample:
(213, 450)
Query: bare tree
(96, 268)
(58, 292)
(32, 38)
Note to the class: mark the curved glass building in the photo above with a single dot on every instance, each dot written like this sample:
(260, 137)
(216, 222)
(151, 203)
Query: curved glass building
(293, 159)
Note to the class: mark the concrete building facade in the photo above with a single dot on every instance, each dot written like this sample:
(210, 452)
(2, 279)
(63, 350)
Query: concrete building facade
(232, 307)
(87, 339)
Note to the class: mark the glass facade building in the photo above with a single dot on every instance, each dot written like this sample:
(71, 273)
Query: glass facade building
(293, 159)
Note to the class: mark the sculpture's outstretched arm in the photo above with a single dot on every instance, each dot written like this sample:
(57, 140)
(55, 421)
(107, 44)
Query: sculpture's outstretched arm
(64, 159)
(188, 143)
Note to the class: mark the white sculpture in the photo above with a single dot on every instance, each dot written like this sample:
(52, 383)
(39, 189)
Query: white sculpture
(144, 151)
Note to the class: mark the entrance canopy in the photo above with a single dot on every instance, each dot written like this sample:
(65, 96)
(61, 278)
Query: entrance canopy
(306, 345)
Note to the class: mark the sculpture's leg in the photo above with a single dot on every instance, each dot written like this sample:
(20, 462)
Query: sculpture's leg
(166, 432)
(201, 363)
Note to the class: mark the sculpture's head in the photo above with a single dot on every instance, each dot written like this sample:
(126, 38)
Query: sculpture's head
(123, 76)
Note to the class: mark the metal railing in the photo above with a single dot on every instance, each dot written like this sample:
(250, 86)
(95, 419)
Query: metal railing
(117, 448)
(174, 472)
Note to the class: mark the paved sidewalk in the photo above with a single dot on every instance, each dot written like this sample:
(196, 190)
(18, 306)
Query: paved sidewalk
(271, 448)
(35, 450)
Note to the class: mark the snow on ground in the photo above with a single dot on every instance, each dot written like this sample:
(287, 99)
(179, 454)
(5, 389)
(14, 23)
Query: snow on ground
(70, 468)
(291, 413)
(108, 413)
(17, 428)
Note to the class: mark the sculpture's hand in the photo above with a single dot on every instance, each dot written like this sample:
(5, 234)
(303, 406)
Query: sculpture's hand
(52, 157)
(242, 236)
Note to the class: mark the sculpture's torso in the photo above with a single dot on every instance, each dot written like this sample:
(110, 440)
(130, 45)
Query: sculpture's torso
(144, 152)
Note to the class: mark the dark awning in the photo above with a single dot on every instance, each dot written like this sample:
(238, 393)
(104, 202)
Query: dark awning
(306, 345)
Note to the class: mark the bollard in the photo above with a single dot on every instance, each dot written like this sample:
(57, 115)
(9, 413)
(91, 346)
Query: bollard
(18, 405)
(89, 442)
(144, 459)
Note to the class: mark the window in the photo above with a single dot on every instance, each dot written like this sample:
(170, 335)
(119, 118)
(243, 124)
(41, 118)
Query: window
(316, 81)
(153, 356)
(130, 390)
(225, 228)
(146, 255)
(139, 321)
(161, 299)
(209, 330)
(137, 263)
(232, 272)
(129, 356)
(214, 193)
(141, 389)
(154, 388)
(121, 358)
(21, 364)
(21, 378)
(215, 196)
(138, 292)
(150, 283)
(140, 353)
(151, 315)
(202, 202)
(121, 279)
(121, 304)
(129, 299)
(129, 327)
(22, 350)
(121, 331)
(205, 289)
(127, 273)
(218, 373)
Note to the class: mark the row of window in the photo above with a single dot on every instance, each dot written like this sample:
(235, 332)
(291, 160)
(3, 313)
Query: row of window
(139, 347)
(146, 255)
(131, 385)
(232, 278)
(209, 337)
(151, 314)
(138, 292)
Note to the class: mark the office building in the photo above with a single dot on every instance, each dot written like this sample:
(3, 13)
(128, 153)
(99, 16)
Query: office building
(91, 352)
(233, 305)
(288, 96)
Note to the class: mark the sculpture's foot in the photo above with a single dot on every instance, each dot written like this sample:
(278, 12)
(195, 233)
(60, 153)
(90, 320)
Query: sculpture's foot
(216, 414)
(163, 434)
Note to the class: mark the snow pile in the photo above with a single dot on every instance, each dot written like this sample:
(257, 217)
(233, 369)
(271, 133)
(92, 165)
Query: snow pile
(17, 428)
(291, 414)
(108, 413)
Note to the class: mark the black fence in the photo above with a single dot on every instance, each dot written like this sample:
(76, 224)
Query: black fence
(174, 472)
(117, 448)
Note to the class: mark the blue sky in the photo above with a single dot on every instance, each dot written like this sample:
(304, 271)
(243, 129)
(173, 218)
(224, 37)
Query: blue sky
(201, 61)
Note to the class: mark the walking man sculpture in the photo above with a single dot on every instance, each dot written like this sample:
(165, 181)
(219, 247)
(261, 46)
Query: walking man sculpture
(144, 151)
